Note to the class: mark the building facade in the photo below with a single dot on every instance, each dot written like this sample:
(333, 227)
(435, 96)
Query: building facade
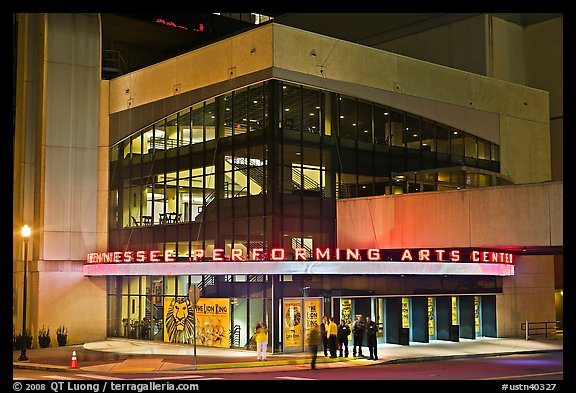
(236, 177)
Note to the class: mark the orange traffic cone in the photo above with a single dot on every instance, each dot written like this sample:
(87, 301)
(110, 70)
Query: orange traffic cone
(74, 361)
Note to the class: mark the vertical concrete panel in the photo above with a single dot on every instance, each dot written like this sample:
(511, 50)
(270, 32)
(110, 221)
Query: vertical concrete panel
(77, 302)
(525, 150)
(556, 195)
(508, 57)
(71, 129)
(545, 60)
(509, 216)
(528, 296)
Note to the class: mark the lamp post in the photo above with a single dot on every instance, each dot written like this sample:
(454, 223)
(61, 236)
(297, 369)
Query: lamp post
(25, 234)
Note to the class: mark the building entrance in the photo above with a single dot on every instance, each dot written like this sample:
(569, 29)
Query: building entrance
(402, 320)
(299, 315)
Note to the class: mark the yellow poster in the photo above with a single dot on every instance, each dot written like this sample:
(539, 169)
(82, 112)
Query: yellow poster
(178, 320)
(346, 306)
(454, 310)
(430, 317)
(292, 323)
(313, 314)
(405, 313)
(477, 314)
(213, 322)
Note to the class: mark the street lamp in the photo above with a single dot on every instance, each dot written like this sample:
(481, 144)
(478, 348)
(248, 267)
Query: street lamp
(25, 234)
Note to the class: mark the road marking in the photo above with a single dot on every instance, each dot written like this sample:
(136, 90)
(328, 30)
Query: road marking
(525, 375)
(298, 378)
(96, 376)
(176, 376)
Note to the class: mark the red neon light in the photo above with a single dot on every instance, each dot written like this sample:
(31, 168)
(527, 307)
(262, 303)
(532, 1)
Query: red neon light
(236, 254)
(373, 254)
(218, 254)
(301, 254)
(277, 254)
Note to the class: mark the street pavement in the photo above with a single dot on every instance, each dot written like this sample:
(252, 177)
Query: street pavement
(136, 356)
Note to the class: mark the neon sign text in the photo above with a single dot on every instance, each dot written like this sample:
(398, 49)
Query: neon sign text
(302, 254)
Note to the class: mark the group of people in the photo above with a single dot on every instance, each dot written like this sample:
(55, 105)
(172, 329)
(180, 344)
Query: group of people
(334, 338)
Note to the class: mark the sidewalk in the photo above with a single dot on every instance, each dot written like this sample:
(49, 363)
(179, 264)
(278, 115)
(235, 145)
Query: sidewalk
(120, 355)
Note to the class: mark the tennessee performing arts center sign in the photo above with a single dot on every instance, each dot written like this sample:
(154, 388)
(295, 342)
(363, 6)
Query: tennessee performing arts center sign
(424, 261)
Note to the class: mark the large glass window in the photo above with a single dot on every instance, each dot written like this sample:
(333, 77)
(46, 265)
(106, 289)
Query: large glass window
(291, 107)
(347, 115)
(396, 128)
(364, 124)
(373, 146)
(381, 125)
(311, 111)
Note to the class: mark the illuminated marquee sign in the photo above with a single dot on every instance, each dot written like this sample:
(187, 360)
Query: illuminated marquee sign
(301, 254)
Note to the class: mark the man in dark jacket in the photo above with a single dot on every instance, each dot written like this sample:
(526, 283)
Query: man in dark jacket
(358, 330)
(343, 333)
(371, 331)
(324, 335)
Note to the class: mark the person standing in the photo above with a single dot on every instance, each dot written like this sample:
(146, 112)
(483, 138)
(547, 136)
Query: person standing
(343, 333)
(324, 334)
(261, 340)
(358, 330)
(371, 331)
(313, 342)
(332, 333)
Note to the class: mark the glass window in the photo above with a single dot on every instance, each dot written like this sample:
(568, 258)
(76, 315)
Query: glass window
(347, 115)
(364, 124)
(495, 152)
(346, 185)
(442, 139)
(209, 119)
(184, 119)
(257, 170)
(291, 107)
(158, 141)
(172, 132)
(470, 146)
(240, 111)
(228, 103)
(396, 128)
(456, 145)
(137, 144)
(311, 111)
(412, 132)
(256, 107)
(381, 120)
(483, 149)
(148, 140)
(428, 140)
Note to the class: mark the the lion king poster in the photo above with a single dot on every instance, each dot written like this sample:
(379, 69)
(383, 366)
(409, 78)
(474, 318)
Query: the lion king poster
(178, 320)
(292, 323)
(213, 315)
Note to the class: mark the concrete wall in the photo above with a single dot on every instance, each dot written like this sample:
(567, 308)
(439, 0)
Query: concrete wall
(224, 60)
(545, 70)
(66, 111)
(524, 215)
(458, 45)
(523, 113)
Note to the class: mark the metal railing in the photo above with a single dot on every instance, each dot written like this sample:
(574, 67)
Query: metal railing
(546, 329)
